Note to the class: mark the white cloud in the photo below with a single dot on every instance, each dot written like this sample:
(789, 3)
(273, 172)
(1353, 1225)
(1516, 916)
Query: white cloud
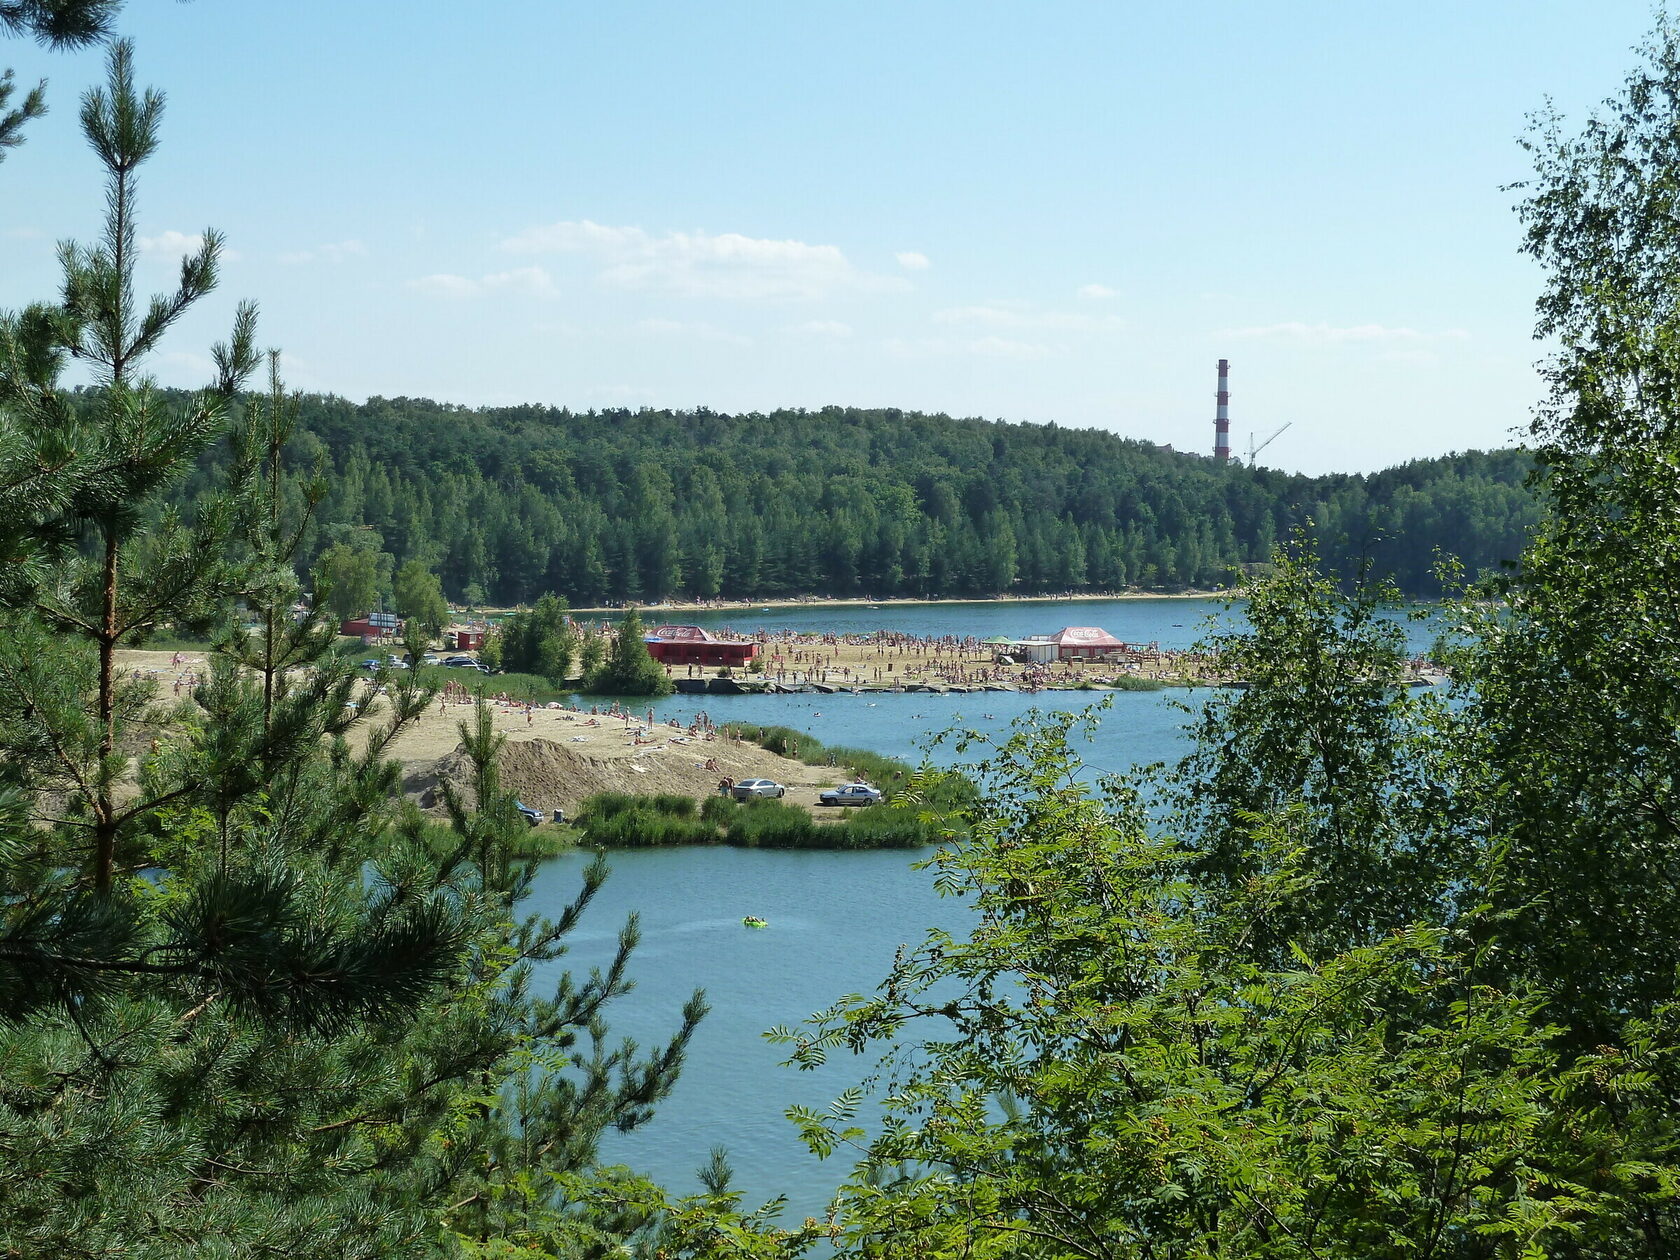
(698, 330)
(1007, 348)
(699, 264)
(978, 315)
(176, 243)
(1096, 291)
(530, 281)
(442, 284)
(577, 237)
(172, 242)
(824, 328)
(534, 281)
(912, 260)
(1330, 334)
(989, 347)
(1020, 315)
(333, 253)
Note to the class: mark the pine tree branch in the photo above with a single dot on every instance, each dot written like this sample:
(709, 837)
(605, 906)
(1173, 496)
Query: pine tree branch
(55, 738)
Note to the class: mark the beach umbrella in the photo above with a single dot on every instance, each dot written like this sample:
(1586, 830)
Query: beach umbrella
(998, 638)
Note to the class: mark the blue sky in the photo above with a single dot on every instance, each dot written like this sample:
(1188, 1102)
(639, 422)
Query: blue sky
(1048, 212)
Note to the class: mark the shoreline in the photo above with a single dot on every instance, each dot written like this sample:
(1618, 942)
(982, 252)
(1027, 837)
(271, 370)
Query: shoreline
(825, 601)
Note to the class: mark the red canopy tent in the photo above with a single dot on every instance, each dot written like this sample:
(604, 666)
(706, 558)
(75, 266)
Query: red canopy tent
(1084, 642)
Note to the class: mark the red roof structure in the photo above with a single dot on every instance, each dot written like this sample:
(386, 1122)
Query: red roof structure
(690, 645)
(1084, 641)
(687, 634)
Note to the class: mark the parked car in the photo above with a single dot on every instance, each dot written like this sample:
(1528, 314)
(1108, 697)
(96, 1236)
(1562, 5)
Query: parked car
(372, 664)
(749, 789)
(430, 658)
(455, 661)
(532, 817)
(397, 662)
(851, 794)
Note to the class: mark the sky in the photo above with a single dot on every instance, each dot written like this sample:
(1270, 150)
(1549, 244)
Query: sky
(1048, 212)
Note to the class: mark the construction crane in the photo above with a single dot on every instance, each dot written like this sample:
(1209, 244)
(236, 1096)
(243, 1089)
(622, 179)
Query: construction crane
(1254, 449)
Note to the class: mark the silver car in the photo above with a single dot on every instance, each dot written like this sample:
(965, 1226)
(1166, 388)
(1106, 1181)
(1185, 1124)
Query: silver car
(851, 794)
(748, 789)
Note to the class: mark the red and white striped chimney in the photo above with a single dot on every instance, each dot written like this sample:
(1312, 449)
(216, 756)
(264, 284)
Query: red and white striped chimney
(1222, 416)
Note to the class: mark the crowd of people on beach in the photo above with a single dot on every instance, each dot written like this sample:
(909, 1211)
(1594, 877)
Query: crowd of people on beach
(188, 670)
(887, 658)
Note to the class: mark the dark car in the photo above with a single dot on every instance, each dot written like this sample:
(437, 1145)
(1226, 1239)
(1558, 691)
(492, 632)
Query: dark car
(532, 817)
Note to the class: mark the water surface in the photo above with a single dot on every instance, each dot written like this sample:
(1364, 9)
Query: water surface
(836, 918)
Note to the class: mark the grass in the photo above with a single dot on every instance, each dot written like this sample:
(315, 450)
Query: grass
(622, 821)
(529, 687)
(946, 792)
(545, 840)
(1127, 682)
(165, 642)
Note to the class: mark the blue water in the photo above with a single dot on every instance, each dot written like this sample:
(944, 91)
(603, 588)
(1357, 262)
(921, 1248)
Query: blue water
(835, 922)
(836, 918)
(1173, 623)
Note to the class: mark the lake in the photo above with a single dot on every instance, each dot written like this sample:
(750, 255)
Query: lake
(836, 919)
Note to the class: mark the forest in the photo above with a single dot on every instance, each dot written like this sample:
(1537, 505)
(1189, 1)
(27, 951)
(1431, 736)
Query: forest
(1374, 971)
(508, 504)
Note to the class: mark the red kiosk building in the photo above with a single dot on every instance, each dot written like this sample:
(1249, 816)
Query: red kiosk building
(691, 645)
(1075, 643)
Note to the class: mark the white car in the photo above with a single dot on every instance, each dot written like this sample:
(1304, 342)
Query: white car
(748, 789)
(851, 794)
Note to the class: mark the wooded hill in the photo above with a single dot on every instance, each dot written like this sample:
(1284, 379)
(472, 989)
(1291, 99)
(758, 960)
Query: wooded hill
(508, 503)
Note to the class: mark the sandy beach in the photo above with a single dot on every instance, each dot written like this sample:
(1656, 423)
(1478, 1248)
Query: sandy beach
(555, 756)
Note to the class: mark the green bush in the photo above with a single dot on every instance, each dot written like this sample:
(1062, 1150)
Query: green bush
(543, 841)
(524, 687)
(673, 803)
(718, 810)
(765, 824)
(1131, 682)
(869, 766)
(779, 739)
(624, 820)
(885, 827)
(628, 670)
(641, 828)
(604, 805)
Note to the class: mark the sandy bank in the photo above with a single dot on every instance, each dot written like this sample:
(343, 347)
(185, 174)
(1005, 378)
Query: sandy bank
(554, 757)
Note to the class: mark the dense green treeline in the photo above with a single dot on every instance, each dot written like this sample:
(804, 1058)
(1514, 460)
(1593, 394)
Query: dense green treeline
(509, 503)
